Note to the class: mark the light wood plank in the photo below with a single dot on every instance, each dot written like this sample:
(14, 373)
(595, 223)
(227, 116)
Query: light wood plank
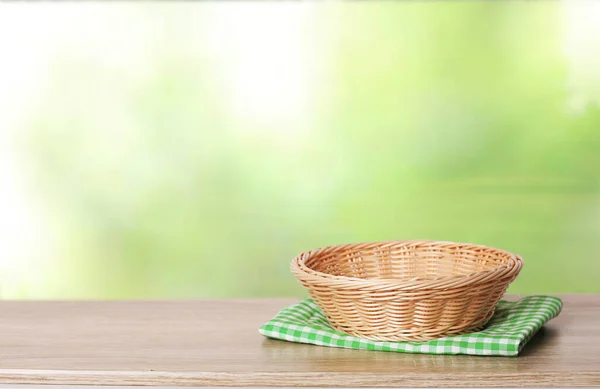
(216, 343)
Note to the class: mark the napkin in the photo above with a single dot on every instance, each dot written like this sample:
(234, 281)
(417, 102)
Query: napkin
(507, 332)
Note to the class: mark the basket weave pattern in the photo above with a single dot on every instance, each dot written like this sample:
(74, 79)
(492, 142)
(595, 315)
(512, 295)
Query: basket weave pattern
(406, 290)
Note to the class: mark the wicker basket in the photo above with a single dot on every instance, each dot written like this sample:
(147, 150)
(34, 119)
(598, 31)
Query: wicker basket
(406, 290)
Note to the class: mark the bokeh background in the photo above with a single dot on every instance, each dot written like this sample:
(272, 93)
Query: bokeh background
(191, 150)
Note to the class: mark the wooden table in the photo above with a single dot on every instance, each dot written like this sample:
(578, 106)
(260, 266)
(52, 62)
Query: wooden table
(216, 343)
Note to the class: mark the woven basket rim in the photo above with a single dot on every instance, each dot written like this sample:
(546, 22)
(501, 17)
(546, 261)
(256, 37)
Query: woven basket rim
(513, 266)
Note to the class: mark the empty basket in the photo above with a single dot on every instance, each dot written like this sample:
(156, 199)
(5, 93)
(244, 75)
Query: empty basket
(406, 290)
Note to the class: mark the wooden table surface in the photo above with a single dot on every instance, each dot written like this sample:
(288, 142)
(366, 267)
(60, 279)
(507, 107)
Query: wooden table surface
(216, 343)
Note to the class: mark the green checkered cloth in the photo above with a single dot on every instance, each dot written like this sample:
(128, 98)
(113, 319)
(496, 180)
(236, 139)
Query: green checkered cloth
(511, 327)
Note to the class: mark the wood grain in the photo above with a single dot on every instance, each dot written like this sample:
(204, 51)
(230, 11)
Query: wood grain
(216, 343)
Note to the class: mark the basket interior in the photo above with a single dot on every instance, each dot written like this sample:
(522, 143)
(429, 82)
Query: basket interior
(422, 261)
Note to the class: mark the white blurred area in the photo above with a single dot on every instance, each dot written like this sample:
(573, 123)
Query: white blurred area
(265, 57)
(582, 53)
(263, 54)
(27, 37)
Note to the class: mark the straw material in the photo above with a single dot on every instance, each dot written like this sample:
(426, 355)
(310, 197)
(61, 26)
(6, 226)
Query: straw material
(406, 290)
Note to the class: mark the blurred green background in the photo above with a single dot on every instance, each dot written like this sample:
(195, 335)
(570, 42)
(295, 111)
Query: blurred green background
(187, 150)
